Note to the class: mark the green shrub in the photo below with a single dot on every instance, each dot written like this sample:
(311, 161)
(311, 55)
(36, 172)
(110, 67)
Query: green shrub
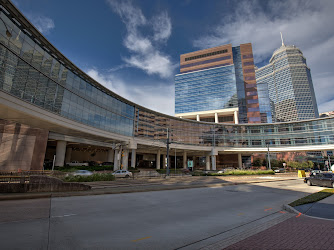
(163, 171)
(89, 178)
(243, 172)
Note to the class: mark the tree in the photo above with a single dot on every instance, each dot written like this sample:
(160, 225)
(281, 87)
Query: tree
(310, 164)
(257, 162)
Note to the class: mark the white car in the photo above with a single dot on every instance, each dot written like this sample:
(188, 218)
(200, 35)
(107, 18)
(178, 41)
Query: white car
(82, 173)
(122, 173)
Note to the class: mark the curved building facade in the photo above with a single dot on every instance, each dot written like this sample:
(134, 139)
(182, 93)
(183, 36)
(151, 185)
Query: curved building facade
(42, 89)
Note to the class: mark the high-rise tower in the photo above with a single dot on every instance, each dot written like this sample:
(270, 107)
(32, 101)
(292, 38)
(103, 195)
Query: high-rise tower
(289, 84)
(218, 85)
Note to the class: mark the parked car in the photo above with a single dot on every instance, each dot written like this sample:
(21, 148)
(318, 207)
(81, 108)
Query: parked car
(76, 163)
(279, 170)
(106, 163)
(321, 179)
(122, 173)
(82, 173)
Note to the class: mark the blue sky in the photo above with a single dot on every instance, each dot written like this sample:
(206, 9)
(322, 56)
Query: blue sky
(133, 47)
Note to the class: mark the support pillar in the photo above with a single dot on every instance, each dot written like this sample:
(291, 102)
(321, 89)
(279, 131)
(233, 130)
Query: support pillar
(197, 118)
(239, 161)
(207, 166)
(216, 118)
(214, 153)
(68, 155)
(110, 157)
(184, 159)
(194, 161)
(60, 153)
(213, 159)
(133, 158)
(158, 159)
(116, 162)
(236, 118)
(164, 163)
(125, 159)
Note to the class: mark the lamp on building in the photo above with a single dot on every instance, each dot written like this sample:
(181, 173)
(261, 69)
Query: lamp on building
(8, 34)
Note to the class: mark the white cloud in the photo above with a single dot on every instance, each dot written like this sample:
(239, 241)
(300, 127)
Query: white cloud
(306, 24)
(162, 27)
(144, 48)
(42, 23)
(158, 97)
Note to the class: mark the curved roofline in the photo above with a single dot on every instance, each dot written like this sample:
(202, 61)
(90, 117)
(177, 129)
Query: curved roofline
(44, 43)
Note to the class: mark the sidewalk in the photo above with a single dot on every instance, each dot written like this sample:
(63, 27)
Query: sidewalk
(322, 209)
(299, 232)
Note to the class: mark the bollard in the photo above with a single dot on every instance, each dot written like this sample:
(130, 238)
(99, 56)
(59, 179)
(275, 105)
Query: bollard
(301, 174)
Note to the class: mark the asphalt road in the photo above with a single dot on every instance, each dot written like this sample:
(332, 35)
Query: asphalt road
(187, 218)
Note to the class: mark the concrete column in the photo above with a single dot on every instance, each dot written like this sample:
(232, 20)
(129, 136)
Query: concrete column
(133, 158)
(185, 159)
(164, 163)
(194, 160)
(216, 118)
(116, 164)
(236, 118)
(213, 159)
(239, 161)
(68, 155)
(197, 118)
(158, 159)
(207, 166)
(60, 153)
(125, 159)
(110, 157)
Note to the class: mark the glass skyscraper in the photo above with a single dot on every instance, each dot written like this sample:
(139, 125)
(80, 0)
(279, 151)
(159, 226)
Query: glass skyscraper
(216, 80)
(289, 84)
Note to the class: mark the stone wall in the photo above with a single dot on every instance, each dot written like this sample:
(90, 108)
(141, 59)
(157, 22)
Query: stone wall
(21, 147)
(42, 184)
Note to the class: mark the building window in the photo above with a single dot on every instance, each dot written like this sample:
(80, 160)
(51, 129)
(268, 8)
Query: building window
(206, 55)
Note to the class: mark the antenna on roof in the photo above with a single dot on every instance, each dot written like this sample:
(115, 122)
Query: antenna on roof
(282, 39)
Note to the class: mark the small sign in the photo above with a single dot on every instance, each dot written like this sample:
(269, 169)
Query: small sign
(190, 164)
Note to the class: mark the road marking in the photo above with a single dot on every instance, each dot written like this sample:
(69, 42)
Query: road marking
(141, 239)
(239, 214)
(65, 215)
(282, 212)
(299, 215)
(268, 209)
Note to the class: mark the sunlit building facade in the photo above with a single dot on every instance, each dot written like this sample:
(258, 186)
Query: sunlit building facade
(51, 110)
(217, 83)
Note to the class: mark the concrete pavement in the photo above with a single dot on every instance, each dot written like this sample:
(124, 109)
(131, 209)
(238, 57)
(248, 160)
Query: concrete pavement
(321, 209)
(155, 184)
(170, 219)
(278, 230)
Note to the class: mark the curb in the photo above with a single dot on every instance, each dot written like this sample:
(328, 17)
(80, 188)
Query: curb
(295, 211)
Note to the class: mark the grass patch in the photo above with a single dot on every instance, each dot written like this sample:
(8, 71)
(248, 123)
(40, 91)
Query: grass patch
(313, 197)
(243, 172)
(89, 178)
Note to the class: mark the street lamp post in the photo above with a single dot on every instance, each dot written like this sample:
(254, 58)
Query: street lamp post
(167, 168)
(269, 165)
